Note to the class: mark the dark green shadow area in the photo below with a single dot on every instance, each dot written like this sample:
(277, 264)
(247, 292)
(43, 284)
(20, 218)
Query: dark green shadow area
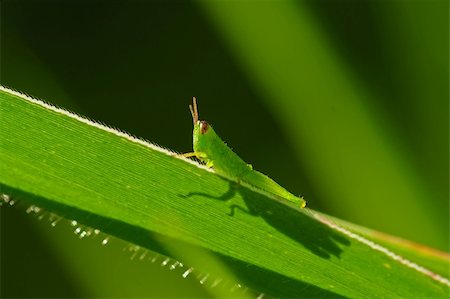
(318, 238)
(254, 277)
(28, 267)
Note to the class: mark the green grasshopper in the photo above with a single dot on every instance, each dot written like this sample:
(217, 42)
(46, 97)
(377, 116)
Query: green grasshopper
(209, 148)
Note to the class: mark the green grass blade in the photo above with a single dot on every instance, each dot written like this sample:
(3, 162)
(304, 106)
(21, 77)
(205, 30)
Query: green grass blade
(434, 260)
(143, 194)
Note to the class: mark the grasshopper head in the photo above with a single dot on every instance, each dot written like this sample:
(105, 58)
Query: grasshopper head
(200, 126)
(203, 132)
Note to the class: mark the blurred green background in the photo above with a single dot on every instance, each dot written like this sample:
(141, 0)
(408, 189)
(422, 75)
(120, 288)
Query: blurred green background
(345, 102)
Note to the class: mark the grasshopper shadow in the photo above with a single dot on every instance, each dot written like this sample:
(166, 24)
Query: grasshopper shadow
(311, 234)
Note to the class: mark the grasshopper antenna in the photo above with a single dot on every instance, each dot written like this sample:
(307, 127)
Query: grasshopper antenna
(194, 111)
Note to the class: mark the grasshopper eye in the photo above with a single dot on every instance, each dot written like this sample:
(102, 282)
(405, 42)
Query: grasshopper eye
(203, 127)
